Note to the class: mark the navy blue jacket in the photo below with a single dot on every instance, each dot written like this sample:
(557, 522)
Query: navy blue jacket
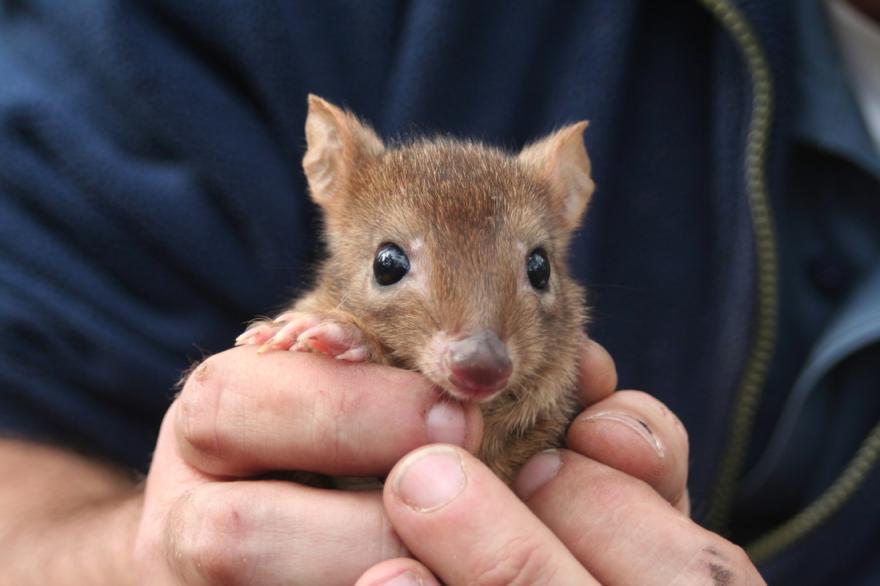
(152, 201)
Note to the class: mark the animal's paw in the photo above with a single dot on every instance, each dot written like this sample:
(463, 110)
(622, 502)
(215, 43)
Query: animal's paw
(309, 332)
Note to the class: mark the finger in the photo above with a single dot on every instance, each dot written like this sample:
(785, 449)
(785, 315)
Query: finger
(273, 532)
(636, 434)
(398, 572)
(623, 531)
(598, 375)
(463, 523)
(241, 413)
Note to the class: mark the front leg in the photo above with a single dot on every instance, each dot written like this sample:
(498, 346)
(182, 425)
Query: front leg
(334, 333)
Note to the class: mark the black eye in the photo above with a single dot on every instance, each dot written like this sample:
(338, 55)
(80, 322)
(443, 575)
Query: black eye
(538, 269)
(390, 264)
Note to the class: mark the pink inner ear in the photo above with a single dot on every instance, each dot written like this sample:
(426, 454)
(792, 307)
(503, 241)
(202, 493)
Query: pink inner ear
(324, 159)
(573, 178)
(562, 159)
(337, 140)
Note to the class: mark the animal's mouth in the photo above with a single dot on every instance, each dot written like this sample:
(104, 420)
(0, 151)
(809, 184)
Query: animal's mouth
(468, 390)
(475, 367)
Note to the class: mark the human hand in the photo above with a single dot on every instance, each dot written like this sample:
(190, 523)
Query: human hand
(611, 509)
(209, 519)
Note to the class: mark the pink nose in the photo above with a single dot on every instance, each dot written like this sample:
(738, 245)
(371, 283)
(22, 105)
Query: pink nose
(479, 364)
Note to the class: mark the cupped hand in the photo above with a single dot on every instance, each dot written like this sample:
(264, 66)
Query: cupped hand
(610, 509)
(211, 515)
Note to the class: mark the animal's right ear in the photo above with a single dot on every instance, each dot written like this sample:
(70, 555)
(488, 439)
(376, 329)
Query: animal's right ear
(561, 159)
(337, 143)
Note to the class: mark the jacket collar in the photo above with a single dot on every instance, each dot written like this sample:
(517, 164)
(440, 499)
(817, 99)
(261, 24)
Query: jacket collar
(827, 114)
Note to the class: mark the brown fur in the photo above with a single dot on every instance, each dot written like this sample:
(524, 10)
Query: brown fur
(478, 212)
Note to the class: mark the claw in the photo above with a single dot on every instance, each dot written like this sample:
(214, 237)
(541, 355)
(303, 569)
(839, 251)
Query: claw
(288, 316)
(328, 338)
(282, 333)
(356, 354)
(342, 341)
(252, 334)
(305, 332)
(284, 337)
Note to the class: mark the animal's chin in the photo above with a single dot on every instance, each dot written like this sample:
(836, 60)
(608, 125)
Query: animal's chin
(461, 391)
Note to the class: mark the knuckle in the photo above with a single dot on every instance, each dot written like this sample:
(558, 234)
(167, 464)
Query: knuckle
(212, 537)
(331, 432)
(721, 563)
(612, 492)
(523, 561)
(740, 559)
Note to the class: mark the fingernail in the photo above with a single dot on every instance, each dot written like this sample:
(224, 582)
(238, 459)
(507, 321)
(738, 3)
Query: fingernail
(430, 478)
(446, 424)
(637, 425)
(405, 579)
(537, 472)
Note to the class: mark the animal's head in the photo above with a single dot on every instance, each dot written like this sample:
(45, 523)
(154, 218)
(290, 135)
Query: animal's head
(453, 253)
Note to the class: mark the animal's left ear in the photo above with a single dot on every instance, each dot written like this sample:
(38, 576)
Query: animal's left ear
(562, 160)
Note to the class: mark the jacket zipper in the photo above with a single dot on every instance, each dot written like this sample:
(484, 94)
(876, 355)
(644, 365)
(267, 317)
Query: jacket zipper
(755, 373)
(825, 505)
(758, 362)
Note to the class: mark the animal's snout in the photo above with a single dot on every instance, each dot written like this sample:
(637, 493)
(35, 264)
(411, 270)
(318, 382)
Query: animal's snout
(479, 365)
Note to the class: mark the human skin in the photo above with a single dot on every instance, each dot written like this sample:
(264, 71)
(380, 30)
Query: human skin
(611, 509)
(207, 517)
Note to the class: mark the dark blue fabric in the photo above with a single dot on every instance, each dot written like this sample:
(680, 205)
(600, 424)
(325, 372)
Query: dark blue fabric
(821, 397)
(151, 198)
(158, 148)
(815, 410)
